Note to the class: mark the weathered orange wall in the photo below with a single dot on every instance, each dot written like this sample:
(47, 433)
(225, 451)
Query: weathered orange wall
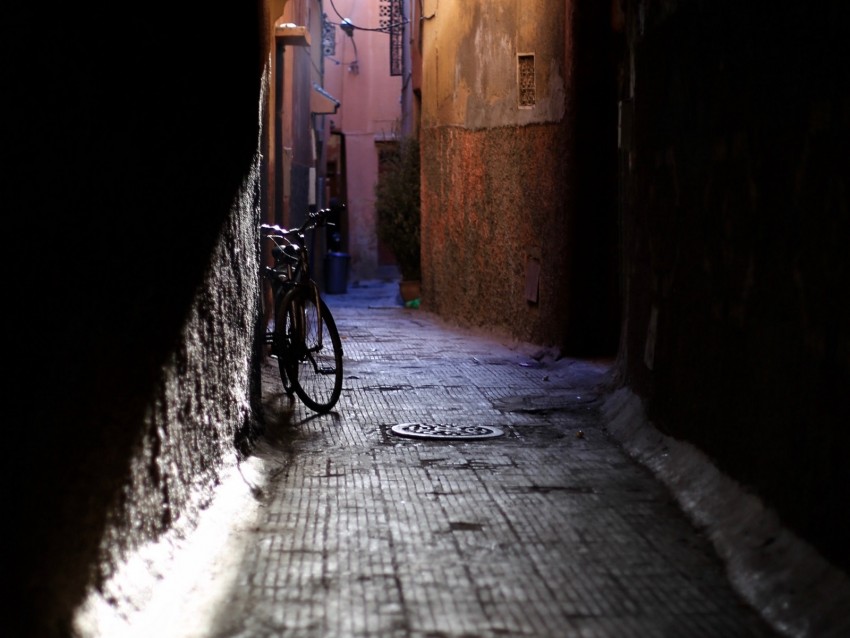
(496, 176)
(483, 221)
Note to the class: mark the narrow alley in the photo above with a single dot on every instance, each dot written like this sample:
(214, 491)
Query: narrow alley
(654, 190)
(542, 527)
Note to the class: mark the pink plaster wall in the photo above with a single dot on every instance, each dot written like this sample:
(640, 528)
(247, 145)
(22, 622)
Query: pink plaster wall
(370, 111)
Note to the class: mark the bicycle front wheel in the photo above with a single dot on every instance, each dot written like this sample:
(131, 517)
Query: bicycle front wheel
(312, 358)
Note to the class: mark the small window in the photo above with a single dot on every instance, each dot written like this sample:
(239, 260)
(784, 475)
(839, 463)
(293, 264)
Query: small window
(391, 17)
(525, 78)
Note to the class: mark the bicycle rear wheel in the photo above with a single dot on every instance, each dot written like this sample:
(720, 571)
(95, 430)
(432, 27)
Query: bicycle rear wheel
(311, 356)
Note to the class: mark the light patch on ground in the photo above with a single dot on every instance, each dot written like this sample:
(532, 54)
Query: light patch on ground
(173, 587)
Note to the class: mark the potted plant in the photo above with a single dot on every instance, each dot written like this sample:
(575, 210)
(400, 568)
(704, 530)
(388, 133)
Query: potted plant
(397, 206)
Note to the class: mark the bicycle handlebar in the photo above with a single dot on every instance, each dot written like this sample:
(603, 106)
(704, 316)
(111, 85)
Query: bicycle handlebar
(314, 219)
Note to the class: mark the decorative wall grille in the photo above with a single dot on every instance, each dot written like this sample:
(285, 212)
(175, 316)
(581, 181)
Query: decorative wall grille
(328, 37)
(525, 74)
(392, 20)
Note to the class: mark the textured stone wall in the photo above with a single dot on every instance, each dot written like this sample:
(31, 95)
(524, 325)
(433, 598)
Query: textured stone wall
(495, 170)
(518, 135)
(198, 417)
(484, 222)
(736, 220)
(132, 248)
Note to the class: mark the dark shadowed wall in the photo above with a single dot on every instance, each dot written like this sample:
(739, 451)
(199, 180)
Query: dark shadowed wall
(736, 221)
(130, 149)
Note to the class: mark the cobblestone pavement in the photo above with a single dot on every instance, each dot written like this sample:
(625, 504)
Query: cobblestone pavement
(547, 530)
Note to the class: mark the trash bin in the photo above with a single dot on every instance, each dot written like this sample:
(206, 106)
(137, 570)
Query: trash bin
(336, 273)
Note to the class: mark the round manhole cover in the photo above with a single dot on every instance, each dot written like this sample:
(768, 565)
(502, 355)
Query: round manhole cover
(423, 431)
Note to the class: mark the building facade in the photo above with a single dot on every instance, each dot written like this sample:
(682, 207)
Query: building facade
(366, 70)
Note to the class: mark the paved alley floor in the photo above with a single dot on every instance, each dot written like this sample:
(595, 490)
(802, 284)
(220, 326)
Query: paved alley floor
(547, 530)
(342, 528)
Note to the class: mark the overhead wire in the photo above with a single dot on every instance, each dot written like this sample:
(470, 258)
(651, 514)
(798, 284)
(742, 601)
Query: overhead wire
(383, 29)
(422, 11)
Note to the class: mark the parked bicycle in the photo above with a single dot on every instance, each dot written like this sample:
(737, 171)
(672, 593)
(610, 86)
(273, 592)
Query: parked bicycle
(303, 336)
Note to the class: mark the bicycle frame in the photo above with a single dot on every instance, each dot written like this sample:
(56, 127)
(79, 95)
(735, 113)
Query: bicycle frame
(304, 338)
(292, 268)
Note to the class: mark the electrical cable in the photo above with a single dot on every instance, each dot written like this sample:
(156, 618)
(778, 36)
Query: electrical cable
(384, 29)
(422, 11)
